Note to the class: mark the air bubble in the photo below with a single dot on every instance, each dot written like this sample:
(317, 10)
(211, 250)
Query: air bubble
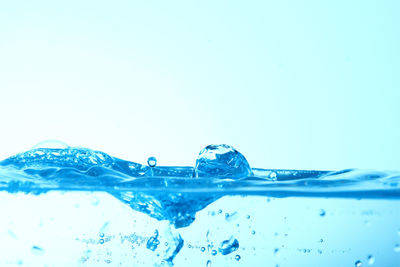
(358, 263)
(213, 252)
(101, 241)
(37, 250)
(228, 246)
(371, 259)
(152, 161)
(322, 213)
(397, 248)
(203, 249)
(237, 257)
(230, 217)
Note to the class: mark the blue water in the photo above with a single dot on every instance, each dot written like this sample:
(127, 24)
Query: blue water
(177, 195)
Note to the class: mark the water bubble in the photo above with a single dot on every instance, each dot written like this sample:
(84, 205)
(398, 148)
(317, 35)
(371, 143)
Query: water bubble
(101, 241)
(322, 213)
(101, 235)
(213, 252)
(203, 249)
(228, 246)
(237, 257)
(358, 263)
(152, 161)
(37, 250)
(397, 248)
(153, 241)
(51, 144)
(208, 263)
(371, 259)
(221, 161)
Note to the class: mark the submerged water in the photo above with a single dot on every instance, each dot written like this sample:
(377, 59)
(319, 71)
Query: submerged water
(65, 206)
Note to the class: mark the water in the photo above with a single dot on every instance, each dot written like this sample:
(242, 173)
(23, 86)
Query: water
(66, 206)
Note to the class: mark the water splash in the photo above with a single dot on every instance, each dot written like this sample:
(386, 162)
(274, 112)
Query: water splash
(221, 161)
(176, 194)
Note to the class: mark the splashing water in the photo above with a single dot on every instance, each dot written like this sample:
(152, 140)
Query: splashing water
(176, 194)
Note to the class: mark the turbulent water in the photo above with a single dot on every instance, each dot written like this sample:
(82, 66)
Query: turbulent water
(176, 194)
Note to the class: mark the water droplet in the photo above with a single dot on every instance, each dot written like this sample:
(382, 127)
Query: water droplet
(273, 176)
(322, 213)
(358, 263)
(237, 257)
(203, 249)
(108, 261)
(228, 246)
(101, 241)
(253, 232)
(51, 144)
(371, 259)
(153, 241)
(248, 217)
(397, 248)
(213, 252)
(37, 250)
(276, 251)
(152, 161)
(219, 211)
(321, 240)
(221, 161)
(208, 263)
(101, 235)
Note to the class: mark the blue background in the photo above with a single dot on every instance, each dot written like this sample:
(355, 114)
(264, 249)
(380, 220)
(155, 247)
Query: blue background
(290, 84)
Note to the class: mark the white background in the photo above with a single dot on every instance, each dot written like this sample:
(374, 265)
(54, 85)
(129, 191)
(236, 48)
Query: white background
(305, 85)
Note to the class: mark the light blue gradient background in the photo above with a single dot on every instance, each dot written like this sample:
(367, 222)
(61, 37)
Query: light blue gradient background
(290, 84)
